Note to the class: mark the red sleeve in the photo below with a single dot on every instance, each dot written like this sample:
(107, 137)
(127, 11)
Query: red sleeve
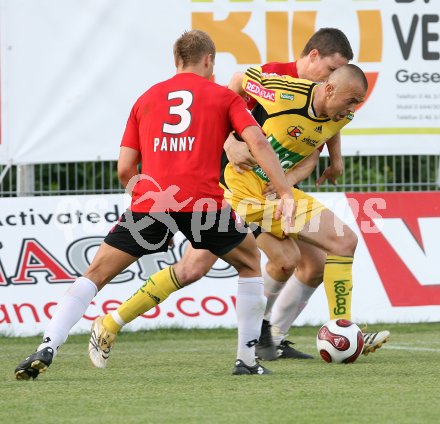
(131, 133)
(240, 115)
(281, 68)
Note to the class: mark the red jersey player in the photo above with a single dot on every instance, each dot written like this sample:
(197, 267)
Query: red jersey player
(176, 130)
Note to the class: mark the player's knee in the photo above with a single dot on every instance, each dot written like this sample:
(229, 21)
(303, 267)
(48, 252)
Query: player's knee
(346, 245)
(195, 273)
(284, 260)
(189, 273)
(310, 276)
(249, 265)
(350, 241)
(98, 276)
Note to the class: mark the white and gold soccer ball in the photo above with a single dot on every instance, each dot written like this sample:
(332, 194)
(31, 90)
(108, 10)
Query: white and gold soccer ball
(339, 341)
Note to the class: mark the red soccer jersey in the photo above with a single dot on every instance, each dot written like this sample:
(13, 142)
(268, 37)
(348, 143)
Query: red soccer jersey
(179, 126)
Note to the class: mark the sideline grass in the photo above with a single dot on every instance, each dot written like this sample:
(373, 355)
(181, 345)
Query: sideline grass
(183, 376)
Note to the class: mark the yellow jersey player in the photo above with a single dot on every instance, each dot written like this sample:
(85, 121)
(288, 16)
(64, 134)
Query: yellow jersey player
(298, 116)
(286, 110)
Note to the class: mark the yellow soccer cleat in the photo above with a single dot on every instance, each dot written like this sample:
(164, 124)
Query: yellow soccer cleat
(374, 341)
(100, 343)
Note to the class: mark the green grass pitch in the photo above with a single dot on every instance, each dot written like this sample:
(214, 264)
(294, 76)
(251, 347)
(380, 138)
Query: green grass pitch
(184, 376)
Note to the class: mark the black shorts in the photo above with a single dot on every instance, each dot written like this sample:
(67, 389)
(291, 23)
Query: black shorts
(140, 234)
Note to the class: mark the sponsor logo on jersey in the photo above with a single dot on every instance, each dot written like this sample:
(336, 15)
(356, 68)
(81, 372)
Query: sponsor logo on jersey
(294, 132)
(287, 96)
(272, 74)
(310, 142)
(318, 129)
(260, 91)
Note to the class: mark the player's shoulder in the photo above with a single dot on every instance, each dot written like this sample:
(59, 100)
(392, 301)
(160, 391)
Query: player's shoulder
(281, 68)
(276, 81)
(264, 74)
(220, 90)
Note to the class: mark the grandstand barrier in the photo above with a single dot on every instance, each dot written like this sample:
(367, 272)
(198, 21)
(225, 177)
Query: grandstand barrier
(46, 242)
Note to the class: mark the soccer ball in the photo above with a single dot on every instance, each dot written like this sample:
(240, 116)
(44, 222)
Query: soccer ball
(339, 341)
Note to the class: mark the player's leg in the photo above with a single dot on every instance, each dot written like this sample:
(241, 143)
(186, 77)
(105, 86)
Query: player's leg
(250, 304)
(150, 233)
(282, 258)
(107, 263)
(294, 297)
(329, 233)
(298, 289)
(194, 264)
(161, 284)
(232, 242)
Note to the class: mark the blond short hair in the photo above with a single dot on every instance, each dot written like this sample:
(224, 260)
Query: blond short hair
(191, 46)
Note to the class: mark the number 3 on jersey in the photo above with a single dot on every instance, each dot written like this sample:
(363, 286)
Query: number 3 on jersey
(180, 110)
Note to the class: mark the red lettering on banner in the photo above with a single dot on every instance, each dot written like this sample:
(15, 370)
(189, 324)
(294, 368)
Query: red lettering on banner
(182, 311)
(35, 258)
(398, 276)
(217, 299)
(234, 301)
(3, 279)
(18, 308)
(48, 307)
(6, 319)
(154, 313)
(107, 306)
(27, 313)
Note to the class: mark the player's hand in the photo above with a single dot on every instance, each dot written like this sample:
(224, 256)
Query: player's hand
(240, 157)
(286, 211)
(270, 192)
(332, 173)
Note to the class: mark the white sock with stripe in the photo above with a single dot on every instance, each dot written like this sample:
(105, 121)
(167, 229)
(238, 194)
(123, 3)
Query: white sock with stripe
(291, 301)
(69, 311)
(250, 309)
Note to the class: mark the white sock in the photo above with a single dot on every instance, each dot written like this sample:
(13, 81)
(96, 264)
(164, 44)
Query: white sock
(250, 309)
(69, 311)
(272, 289)
(291, 301)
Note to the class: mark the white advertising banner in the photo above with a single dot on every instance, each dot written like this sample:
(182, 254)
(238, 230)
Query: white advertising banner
(47, 242)
(71, 70)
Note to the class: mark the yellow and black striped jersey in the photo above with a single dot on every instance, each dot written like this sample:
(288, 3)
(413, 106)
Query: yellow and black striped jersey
(285, 112)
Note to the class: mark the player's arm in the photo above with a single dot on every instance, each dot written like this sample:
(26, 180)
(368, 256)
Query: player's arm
(336, 168)
(238, 152)
(236, 83)
(297, 174)
(128, 167)
(268, 160)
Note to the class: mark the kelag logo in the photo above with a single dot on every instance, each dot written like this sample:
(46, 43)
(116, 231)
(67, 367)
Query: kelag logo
(284, 33)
